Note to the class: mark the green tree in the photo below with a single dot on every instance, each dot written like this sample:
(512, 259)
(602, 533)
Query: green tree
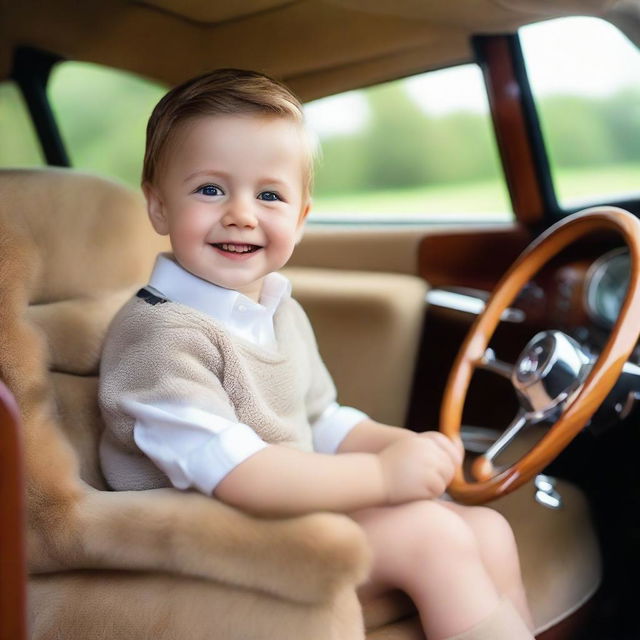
(20, 146)
(102, 114)
(341, 167)
(575, 132)
(621, 115)
(460, 147)
(396, 139)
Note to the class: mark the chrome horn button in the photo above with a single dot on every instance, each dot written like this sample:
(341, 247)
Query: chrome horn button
(531, 364)
(549, 370)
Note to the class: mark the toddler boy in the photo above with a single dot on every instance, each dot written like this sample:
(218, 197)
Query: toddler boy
(211, 377)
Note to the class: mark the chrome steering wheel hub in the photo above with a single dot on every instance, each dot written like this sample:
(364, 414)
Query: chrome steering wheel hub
(550, 369)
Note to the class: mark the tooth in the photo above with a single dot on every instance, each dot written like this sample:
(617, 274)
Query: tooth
(236, 248)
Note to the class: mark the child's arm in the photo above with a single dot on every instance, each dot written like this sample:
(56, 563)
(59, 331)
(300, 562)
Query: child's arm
(372, 437)
(280, 481)
(284, 481)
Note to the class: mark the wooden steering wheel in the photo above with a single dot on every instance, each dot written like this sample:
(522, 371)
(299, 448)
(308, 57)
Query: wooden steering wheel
(540, 375)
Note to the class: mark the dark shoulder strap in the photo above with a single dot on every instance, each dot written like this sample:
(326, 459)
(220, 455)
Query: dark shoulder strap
(149, 297)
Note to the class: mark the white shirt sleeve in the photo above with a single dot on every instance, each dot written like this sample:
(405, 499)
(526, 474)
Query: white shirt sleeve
(194, 448)
(333, 425)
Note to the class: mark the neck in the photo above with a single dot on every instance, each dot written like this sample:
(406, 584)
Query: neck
(252, 290)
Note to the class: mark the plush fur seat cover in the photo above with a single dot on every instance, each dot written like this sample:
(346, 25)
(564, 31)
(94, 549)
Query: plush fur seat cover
(172, 565)
(161, 564)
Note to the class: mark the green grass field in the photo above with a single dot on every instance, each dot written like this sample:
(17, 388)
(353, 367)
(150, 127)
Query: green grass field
(483, 199)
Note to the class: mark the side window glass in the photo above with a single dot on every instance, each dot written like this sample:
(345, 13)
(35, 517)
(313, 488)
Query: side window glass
(585, 78)
(102, 114)
(20, 146)
(419, 149)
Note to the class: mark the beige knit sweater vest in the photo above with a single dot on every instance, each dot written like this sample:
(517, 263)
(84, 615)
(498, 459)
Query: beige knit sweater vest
(169, 352)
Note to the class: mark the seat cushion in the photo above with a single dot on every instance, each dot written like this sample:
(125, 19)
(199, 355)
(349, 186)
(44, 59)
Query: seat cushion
(368, 326)
(559, 553)
(122, 605)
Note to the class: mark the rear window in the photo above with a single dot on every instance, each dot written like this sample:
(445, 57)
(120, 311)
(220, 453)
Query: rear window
(20, 146)
(416, 149)
(585, 79)
(102, 114)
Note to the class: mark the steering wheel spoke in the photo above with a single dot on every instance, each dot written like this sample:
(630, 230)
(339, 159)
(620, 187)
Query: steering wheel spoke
(483, 466)
(489, 362)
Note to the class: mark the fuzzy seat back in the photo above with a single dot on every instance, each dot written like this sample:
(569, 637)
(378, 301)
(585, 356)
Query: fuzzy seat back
(73, 248)
(88, 245)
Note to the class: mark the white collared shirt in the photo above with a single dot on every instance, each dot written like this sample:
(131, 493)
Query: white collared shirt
(198, 449)
(239, 314)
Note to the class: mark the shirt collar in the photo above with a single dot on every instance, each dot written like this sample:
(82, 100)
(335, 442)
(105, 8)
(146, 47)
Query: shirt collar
(179, 285)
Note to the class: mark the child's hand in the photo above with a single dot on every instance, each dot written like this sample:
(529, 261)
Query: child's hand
(419, 468)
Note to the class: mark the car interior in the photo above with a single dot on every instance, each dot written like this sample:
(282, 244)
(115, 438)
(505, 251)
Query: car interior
(540, 379)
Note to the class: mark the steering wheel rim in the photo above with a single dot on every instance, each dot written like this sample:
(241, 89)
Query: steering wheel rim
(598, 382)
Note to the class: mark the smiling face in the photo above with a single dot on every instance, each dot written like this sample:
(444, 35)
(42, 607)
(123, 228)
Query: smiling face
(230, 194)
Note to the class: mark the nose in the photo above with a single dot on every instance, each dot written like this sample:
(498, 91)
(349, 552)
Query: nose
(239, 213)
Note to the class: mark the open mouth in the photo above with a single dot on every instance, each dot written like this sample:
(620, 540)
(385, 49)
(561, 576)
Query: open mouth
(236, 248)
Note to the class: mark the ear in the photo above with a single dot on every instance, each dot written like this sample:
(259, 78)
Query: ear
(301, 220)
(155, 209)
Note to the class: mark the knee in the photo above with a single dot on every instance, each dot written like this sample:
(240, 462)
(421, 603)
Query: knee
(437, 530)
(492, 528)
(421, 534)
(497, 543)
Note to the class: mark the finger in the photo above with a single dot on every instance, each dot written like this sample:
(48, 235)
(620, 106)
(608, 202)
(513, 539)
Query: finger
(437, 487)
(443, 465)
(456, 448)
(459, 445)
(449, 446)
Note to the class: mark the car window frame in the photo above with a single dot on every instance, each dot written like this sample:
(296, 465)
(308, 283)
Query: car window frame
(30, 71)
(519, 135)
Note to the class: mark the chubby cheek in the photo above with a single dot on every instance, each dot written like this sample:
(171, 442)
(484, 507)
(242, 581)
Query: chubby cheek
(189, 228)
(283, 235)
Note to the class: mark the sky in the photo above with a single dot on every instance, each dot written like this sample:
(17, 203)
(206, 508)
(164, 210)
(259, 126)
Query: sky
(584, 56)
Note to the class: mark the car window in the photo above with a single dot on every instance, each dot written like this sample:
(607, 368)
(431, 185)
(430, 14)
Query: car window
(20, 146)
(406, 151)
(416, 149)
(585, 79)
(102, 114)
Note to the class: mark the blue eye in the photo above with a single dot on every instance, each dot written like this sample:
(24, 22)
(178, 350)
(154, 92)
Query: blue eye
(209, 190)
(269, 196)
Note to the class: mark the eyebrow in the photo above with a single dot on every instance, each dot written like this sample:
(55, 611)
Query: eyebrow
(276, 181)
(206, 172)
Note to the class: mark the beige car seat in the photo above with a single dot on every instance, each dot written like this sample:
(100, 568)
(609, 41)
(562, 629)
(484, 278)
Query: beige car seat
(169, 564)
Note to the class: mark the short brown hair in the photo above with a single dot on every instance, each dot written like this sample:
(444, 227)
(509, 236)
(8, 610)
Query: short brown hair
(221, 92)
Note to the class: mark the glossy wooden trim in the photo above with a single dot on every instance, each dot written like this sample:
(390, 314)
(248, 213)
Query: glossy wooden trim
(474, 257)
(598, 383)
(12, 522)
(505, 96)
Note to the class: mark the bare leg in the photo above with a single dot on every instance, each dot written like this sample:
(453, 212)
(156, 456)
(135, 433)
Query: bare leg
(499, 553)
(432, 554)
